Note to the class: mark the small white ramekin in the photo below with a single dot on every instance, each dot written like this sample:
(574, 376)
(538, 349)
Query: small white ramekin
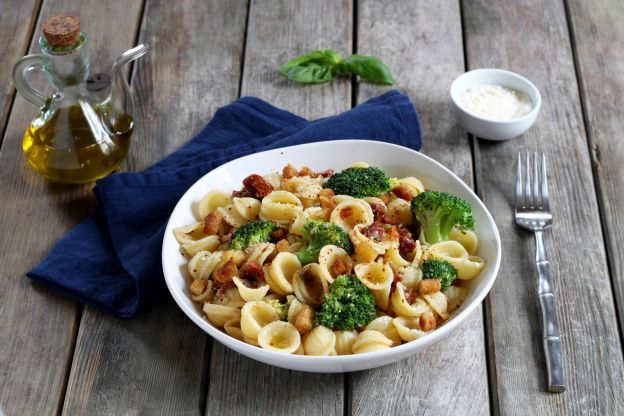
(488, 128)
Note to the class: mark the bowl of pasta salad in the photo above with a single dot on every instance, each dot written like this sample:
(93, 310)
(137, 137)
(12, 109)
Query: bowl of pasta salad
(330, 257)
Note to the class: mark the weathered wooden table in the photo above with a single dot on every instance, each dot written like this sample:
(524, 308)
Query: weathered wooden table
(58, 357)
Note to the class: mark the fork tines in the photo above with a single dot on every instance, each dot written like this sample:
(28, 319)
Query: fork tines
(534, 193)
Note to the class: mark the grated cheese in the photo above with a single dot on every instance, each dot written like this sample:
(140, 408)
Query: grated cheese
(495, 102)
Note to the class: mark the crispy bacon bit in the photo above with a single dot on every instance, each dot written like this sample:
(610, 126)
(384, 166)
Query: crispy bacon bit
(380, 213)
(403, 192)
(375, 231)
(398, 277)
(282, 246)
(346, 212)
(304, 320)
(410, 295)
(225, 273)
(199, 286)
(257, 185)
(243, 193)
(252, 275)
(212, 223)
(279, 234)
(428, 286)
(328, 206)
(427, 321)
(289, 171)
(406, 241)
(338, 267)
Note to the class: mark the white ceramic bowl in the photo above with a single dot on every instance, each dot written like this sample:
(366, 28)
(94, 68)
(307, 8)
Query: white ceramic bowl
(396, 161)
(488, 128)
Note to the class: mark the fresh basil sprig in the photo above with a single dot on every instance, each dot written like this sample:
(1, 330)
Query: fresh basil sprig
(324, 65)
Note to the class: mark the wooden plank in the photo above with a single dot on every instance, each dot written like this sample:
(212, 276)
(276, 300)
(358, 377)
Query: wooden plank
(422, 44)
(597, 28)
(16, 28)
(156, 363)
(37, 327)
(277, 31)
(531, 37)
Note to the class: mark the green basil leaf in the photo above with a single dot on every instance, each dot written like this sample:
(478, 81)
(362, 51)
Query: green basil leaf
(369, 68)
(313, 67)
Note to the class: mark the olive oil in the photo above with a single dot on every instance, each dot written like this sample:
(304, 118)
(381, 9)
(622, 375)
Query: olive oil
(71, 148)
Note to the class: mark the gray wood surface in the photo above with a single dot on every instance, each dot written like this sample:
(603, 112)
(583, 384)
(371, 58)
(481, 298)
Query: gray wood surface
(16, 26)
(598, 36)
(278, 31)
(421, 42)
(531, 37)
(38, 327)
(157, 363)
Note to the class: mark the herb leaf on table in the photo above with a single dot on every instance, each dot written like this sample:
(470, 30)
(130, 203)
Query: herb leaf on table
(325, 64)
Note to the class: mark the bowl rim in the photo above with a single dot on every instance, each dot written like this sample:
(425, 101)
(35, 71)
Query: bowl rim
(528, 116)
(398, 351)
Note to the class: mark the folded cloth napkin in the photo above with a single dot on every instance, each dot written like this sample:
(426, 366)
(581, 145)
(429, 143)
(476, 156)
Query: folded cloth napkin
(112, 260)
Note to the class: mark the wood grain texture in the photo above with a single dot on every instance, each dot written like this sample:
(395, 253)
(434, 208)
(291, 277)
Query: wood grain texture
(156, 363)
(278, 31)
(16, 26)
(598, 38)
(531, 37)
(37, 327)
(422, 44)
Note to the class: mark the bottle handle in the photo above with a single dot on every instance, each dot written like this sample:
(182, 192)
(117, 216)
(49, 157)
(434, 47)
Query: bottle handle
(21, 69)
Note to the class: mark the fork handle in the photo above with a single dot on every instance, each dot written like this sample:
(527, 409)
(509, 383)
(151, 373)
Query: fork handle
(550, 328)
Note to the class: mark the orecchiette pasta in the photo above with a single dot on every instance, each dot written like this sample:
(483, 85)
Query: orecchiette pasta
(279, 336)
(453, 252)
(319, 341)
(211, 201)
(344, 342)
(350, 212)
(254, 316)
(328, 257)
(280, 207)
(369, 341)
(281, 272)
(289, 264)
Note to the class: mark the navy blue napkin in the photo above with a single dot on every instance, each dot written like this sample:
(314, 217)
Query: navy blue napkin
(112, 260)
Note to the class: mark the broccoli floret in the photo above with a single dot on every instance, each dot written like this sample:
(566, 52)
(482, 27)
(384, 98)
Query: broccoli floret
(253, 232)
(439, 212)
(281, 308)
(359, 182)
(317, 234)
(439, 269)
(348, 305)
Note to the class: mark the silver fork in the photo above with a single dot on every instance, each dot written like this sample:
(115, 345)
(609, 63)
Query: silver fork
(532, 212)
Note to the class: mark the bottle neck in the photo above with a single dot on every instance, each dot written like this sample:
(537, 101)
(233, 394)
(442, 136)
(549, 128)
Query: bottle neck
(65, 67)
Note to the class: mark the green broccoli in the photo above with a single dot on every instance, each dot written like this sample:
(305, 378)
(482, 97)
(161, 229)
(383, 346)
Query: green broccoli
(317, 234)
(359, 182)
(439, 212)
(439, 269)
(348, 305)
(253, 232)
(281, 308)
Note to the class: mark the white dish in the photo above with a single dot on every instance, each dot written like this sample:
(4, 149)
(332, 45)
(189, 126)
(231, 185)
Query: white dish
(487, 128)
(395, 161)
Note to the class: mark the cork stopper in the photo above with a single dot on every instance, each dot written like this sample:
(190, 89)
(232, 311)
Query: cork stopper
(61, 31)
